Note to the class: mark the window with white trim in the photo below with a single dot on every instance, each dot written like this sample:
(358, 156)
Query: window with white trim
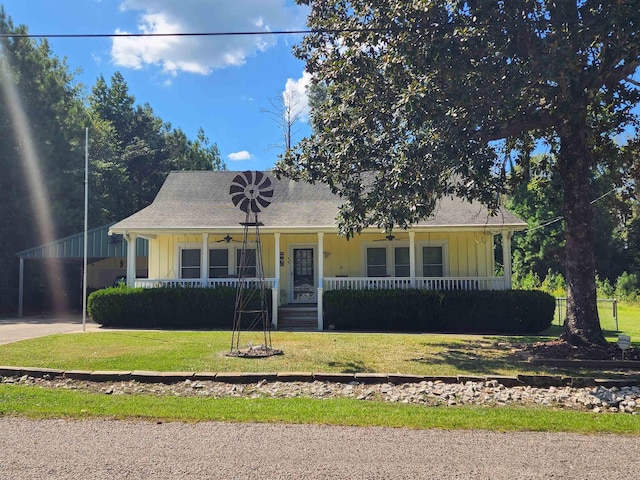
(401, 262)
(432, 262)
(387, 261)
(376, 262)
(250, 262)
(218, 263)
(190, 263)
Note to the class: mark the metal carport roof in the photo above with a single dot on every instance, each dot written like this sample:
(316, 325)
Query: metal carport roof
(100, 245)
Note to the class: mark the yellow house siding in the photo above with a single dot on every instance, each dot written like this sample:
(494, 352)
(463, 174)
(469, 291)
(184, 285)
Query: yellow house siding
(467, 253)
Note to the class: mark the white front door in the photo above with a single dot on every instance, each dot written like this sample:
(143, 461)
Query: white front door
(303, 279)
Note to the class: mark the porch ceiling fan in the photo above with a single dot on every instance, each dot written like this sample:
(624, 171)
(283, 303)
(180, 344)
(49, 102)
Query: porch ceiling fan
(227, 239)
(389, 238)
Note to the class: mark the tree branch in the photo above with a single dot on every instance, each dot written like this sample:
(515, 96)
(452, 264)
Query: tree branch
(538, 121)
(632, 81)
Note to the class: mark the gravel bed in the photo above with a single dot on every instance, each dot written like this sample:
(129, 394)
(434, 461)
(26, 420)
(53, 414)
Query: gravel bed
(488, 393)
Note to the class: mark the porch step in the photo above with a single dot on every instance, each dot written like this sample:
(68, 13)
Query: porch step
(298, 318)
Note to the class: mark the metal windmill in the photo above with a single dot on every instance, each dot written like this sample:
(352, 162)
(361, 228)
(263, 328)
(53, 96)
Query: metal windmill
(251, 192)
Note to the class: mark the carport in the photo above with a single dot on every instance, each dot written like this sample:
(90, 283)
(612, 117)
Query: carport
(106, 257)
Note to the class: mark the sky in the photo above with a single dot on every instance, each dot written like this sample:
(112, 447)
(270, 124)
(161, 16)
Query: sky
(222, 84)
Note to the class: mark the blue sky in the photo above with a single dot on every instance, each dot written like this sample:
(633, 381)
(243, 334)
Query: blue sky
(217, 83)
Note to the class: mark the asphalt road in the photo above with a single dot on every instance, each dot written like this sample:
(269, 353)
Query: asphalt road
(107, 449)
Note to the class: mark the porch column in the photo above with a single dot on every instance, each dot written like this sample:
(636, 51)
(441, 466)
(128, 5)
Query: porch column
(412, 258)
(21, 287)
(275, 291)
(131, 258)
(320, 275)
(204, 260)
(506, 258)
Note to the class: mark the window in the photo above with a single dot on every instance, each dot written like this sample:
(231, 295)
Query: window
(218, 263)
(432, 265)
(250, 262)
(190, 266)
(377, 262)
(401, 261)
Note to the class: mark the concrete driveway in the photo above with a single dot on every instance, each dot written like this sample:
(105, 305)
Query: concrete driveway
(16, 329)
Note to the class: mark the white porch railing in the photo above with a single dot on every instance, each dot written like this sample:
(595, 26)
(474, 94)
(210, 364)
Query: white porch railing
(424, 283)
(198, 283)
(340, 283)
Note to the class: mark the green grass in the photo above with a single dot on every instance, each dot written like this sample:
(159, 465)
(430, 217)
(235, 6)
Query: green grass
(34, 402)
(313, 352)
(628, 321)
(310, 352)
(420, 354)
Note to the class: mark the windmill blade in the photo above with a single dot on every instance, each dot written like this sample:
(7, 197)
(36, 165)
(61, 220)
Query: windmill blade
(248, 175)
(240, 180)
(266, 193)
(236, 189)
(263, 202)
(265, 184)
(259, 176)
(236, 199)
(245, 204)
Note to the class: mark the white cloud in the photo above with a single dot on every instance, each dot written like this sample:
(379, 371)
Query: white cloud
(201, 54)
(295, 96)
(239, 156)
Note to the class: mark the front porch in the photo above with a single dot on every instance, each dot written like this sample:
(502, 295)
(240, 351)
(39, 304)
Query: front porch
(301, 316)
(300, 267)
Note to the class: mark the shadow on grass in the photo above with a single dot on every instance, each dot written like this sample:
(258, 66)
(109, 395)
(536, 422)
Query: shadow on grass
(484, 356)
(351, 367)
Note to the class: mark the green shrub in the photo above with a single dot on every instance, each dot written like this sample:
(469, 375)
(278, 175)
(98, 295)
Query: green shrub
(604, 288)
(511, 311)
(528, 281)
(170, 308)
(627, 286)
(554, 284)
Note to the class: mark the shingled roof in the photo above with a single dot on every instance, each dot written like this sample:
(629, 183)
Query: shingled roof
(199, 200)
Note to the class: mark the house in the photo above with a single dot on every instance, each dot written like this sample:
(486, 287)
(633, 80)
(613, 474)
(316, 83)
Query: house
(193, 223)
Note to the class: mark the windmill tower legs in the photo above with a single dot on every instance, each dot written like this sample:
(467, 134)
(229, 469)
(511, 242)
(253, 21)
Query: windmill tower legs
(251, 307)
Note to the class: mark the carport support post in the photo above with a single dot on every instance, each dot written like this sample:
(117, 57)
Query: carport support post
(21, 287)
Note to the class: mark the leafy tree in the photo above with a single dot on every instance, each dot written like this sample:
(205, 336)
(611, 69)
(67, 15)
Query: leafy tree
(131, 152)
(139, 149)
(537, 197)
(426, 99)
(40, 85)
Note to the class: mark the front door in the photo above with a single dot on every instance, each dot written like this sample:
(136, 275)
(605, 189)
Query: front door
(304, 281)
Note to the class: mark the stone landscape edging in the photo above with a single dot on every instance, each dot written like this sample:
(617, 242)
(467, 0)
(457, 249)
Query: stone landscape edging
(144, 376)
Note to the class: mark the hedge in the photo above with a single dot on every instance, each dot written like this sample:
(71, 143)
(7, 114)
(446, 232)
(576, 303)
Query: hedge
(170, 308)
(503, 312)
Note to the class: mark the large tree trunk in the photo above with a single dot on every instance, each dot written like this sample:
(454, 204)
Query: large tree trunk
(582, 324)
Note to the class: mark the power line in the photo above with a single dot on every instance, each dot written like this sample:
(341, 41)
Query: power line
(561, 217)
(199, 34)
